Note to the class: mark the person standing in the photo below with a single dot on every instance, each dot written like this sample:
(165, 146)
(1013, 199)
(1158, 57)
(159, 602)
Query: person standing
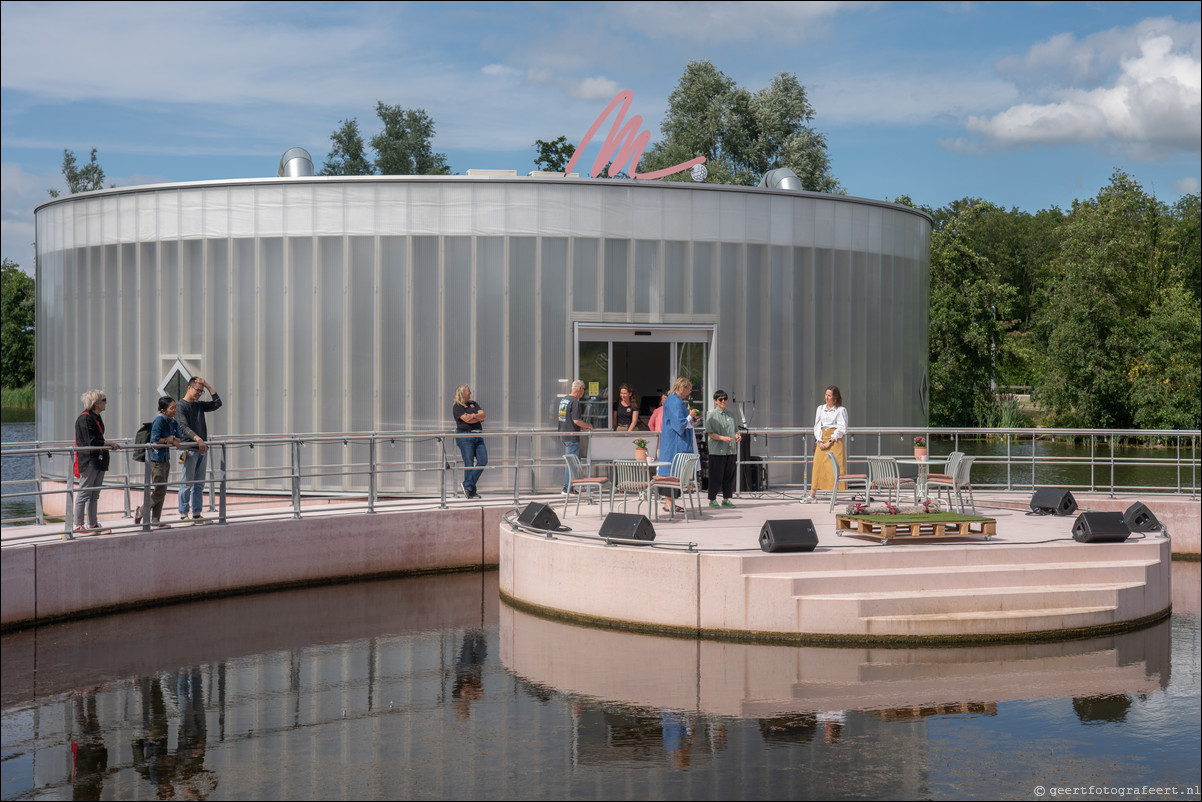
(164, 431)
(830, 432)
(677, 436)
(92, 464)
(657, 416)
(626, 410)
(193, 428)
(571, 419)
(722, 432)
(468, 425)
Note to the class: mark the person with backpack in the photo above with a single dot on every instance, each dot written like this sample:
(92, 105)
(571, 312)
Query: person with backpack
(164, 431)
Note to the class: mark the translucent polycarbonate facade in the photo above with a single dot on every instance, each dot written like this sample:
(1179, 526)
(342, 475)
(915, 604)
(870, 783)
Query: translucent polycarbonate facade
(358, 304)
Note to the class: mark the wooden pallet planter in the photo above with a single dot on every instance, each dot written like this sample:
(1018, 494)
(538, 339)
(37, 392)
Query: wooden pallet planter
(914, 527)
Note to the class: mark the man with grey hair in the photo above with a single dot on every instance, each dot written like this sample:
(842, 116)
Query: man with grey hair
(571, 419)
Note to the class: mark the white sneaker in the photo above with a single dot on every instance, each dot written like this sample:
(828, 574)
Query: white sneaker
(808, 500)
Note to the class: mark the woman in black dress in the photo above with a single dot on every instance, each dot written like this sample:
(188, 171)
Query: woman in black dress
(626, 410)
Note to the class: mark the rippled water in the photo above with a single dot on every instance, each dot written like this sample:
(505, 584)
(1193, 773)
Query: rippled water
(429, 688)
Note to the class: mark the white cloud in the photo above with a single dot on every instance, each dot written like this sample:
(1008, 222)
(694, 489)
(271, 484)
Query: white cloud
(1186, 186)
(1152, 107)
(592, 88)
(20, 192)
(709, 22)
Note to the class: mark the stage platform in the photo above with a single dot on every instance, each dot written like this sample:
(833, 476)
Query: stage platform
(1029, 582)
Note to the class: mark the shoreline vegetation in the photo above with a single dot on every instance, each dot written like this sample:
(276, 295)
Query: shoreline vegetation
(17, 397)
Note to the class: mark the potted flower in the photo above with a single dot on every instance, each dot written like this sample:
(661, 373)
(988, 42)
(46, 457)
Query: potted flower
(640, 449)
(920, 448)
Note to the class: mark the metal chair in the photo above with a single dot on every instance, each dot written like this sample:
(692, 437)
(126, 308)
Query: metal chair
(682, 481)
(964, 483)
(882, 473)
(851, 478)
(631, 477)
(580, 483)
(940, 481)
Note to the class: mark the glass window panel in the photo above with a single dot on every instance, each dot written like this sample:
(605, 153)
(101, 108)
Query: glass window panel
(584, 274)
(617, 260)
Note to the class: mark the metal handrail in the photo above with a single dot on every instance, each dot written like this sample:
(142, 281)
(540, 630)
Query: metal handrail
(523, 452)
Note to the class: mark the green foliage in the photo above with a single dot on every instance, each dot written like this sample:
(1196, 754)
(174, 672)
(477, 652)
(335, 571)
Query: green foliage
(80, 179)
(17, 397)
(1166, 375)
(965, 327)
(404, 146)
(1102, 284)
(16, 327)
(742, 135)
(554, 156)
(347, 154)
(1183, 248)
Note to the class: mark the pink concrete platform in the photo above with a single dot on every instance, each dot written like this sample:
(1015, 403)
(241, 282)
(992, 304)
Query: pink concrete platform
(709, 577)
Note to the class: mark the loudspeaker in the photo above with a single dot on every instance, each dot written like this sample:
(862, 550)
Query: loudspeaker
(539, 516)
(796, 534)
(631, 527)
(1140, 519)
(1053, 501)
(1100, 527)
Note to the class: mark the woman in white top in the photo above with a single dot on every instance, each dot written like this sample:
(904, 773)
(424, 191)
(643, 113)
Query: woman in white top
(830, 430)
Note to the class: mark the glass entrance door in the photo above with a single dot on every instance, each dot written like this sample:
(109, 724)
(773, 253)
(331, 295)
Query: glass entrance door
(648, 359)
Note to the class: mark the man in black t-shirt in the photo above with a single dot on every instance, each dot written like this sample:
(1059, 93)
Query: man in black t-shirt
(571, 419)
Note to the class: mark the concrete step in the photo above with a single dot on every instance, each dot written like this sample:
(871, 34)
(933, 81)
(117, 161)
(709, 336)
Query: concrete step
(992, 622)
(964, 600)
(944, 577)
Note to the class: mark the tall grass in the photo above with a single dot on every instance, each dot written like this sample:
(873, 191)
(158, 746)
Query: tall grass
(17, 397)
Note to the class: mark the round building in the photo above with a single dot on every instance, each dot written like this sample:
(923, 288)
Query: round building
(336, 304)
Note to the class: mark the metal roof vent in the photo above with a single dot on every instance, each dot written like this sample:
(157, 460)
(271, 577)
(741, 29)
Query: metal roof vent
(296, 163)
(781, 178)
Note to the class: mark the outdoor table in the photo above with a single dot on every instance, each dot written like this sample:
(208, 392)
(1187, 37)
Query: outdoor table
(924, 466)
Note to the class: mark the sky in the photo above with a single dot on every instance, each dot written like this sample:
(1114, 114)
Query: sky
(1027, 105)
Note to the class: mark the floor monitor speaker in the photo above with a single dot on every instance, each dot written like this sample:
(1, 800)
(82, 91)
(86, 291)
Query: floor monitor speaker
(1100, 527)
(1140, 519)
(1053, 501)
(539, 516)
(796, 534)
(631, 527)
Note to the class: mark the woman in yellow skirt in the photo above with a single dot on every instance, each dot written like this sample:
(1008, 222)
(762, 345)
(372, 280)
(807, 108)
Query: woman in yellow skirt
(830, 430)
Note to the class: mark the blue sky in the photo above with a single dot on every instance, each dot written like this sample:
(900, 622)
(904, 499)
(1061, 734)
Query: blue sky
(1023, 104)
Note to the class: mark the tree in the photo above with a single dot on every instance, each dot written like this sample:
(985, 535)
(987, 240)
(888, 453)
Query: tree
(553, 156)
(80, 179)
(1102, 284)
(16, 327)
(741, 135)
(1166, 376)
(965, 325)
(347, 154)
(403, 147)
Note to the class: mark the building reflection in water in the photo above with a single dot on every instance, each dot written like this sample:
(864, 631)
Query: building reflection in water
(428, 687)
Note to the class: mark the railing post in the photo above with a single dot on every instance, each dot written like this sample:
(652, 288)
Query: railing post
(372, 485)
(1009, 453)
(442, 474)
(221, 487)
(40, 510)
(517, 468)
(128, 480)
(296, 465)
(146, 493)
(69, 512)
(1112, 466)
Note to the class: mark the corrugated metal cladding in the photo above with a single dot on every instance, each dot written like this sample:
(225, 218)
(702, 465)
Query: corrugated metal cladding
(334, 304)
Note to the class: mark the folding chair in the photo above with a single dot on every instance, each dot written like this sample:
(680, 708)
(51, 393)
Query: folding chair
(882, 473)
(682, 481)
(631, 477)
(580, 483)
(851, 478)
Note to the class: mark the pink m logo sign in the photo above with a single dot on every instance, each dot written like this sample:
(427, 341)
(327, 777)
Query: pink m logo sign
(627, 136)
